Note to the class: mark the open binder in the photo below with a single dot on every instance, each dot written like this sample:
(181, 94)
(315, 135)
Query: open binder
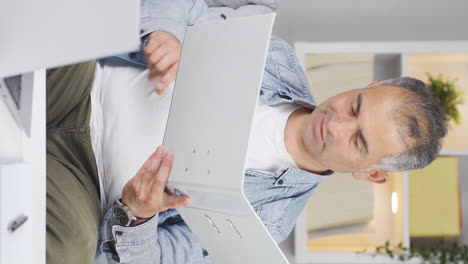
(213, 104)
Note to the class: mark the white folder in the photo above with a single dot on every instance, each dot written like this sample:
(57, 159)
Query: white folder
(210, 120)
(50, 33)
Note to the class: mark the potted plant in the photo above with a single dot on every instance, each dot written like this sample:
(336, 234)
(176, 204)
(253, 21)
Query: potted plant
(438, 253)
(449, 94)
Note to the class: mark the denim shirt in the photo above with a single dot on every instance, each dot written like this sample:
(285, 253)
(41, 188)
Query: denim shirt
(278, 198)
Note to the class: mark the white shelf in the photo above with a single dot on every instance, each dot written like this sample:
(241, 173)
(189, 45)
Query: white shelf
(32, 151)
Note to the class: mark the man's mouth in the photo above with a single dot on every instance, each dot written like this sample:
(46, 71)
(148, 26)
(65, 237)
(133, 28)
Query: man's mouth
(319, 129)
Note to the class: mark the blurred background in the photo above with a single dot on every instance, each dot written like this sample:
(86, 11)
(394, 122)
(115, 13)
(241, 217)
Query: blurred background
(370, 20)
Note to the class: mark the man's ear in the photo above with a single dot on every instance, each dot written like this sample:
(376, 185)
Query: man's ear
(375, 176)
(373, 83)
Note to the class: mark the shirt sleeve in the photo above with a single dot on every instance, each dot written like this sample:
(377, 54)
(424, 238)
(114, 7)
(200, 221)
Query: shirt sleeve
(173, 16)
(171, 242)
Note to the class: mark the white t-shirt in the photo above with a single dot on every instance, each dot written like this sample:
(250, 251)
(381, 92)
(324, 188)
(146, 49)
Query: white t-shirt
(266, 150)
(128, 120)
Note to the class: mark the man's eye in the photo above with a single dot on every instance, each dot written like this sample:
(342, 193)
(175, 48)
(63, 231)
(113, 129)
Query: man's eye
(357, 141)
(352, 111)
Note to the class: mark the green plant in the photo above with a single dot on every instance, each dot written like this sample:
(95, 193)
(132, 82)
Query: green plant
(449, 94)
(437, 253)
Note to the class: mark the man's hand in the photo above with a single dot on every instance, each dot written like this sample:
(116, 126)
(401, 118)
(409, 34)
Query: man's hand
(144, 194)
(162, 52)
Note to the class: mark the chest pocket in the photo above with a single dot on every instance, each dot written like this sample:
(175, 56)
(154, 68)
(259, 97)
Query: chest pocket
(279, 215)
(277, 205)
(284, 80)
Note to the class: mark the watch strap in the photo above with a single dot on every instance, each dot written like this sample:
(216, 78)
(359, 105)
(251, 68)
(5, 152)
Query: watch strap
(133, 220)
(139, 221)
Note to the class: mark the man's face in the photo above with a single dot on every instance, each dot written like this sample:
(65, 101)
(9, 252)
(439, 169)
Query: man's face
(355, 129)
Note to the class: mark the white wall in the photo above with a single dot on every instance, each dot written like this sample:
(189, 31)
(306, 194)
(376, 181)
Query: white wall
(372, 20)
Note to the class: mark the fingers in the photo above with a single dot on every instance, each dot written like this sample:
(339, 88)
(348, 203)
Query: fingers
(167, 78)
(164, 72)
(142, 181)
(144, 194)
(161, 63)
(155, 40)
(175, 202)
(155, 57)
(151, 166)
(160, 181)
(162, 53)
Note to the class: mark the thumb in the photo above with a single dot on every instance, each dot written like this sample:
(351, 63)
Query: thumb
(171, 201)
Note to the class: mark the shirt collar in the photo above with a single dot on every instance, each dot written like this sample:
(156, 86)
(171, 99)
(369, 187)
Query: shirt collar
(295, 176)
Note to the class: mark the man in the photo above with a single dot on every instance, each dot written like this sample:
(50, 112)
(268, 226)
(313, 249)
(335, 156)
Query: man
(393, 125)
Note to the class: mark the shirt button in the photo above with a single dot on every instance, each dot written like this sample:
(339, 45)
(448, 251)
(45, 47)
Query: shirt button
(118, 233)
(280, 182)
(261, 92)
(205, 253)
(223, 16)
(132, 55)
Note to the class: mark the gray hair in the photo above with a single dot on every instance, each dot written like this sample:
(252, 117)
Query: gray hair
(422, 125)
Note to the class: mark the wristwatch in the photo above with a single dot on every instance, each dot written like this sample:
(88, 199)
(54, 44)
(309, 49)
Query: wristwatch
(122, 214)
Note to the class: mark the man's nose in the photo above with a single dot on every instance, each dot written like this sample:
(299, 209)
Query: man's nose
(341, 126)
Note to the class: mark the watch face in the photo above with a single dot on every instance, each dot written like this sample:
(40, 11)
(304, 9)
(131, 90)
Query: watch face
(120, 216)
